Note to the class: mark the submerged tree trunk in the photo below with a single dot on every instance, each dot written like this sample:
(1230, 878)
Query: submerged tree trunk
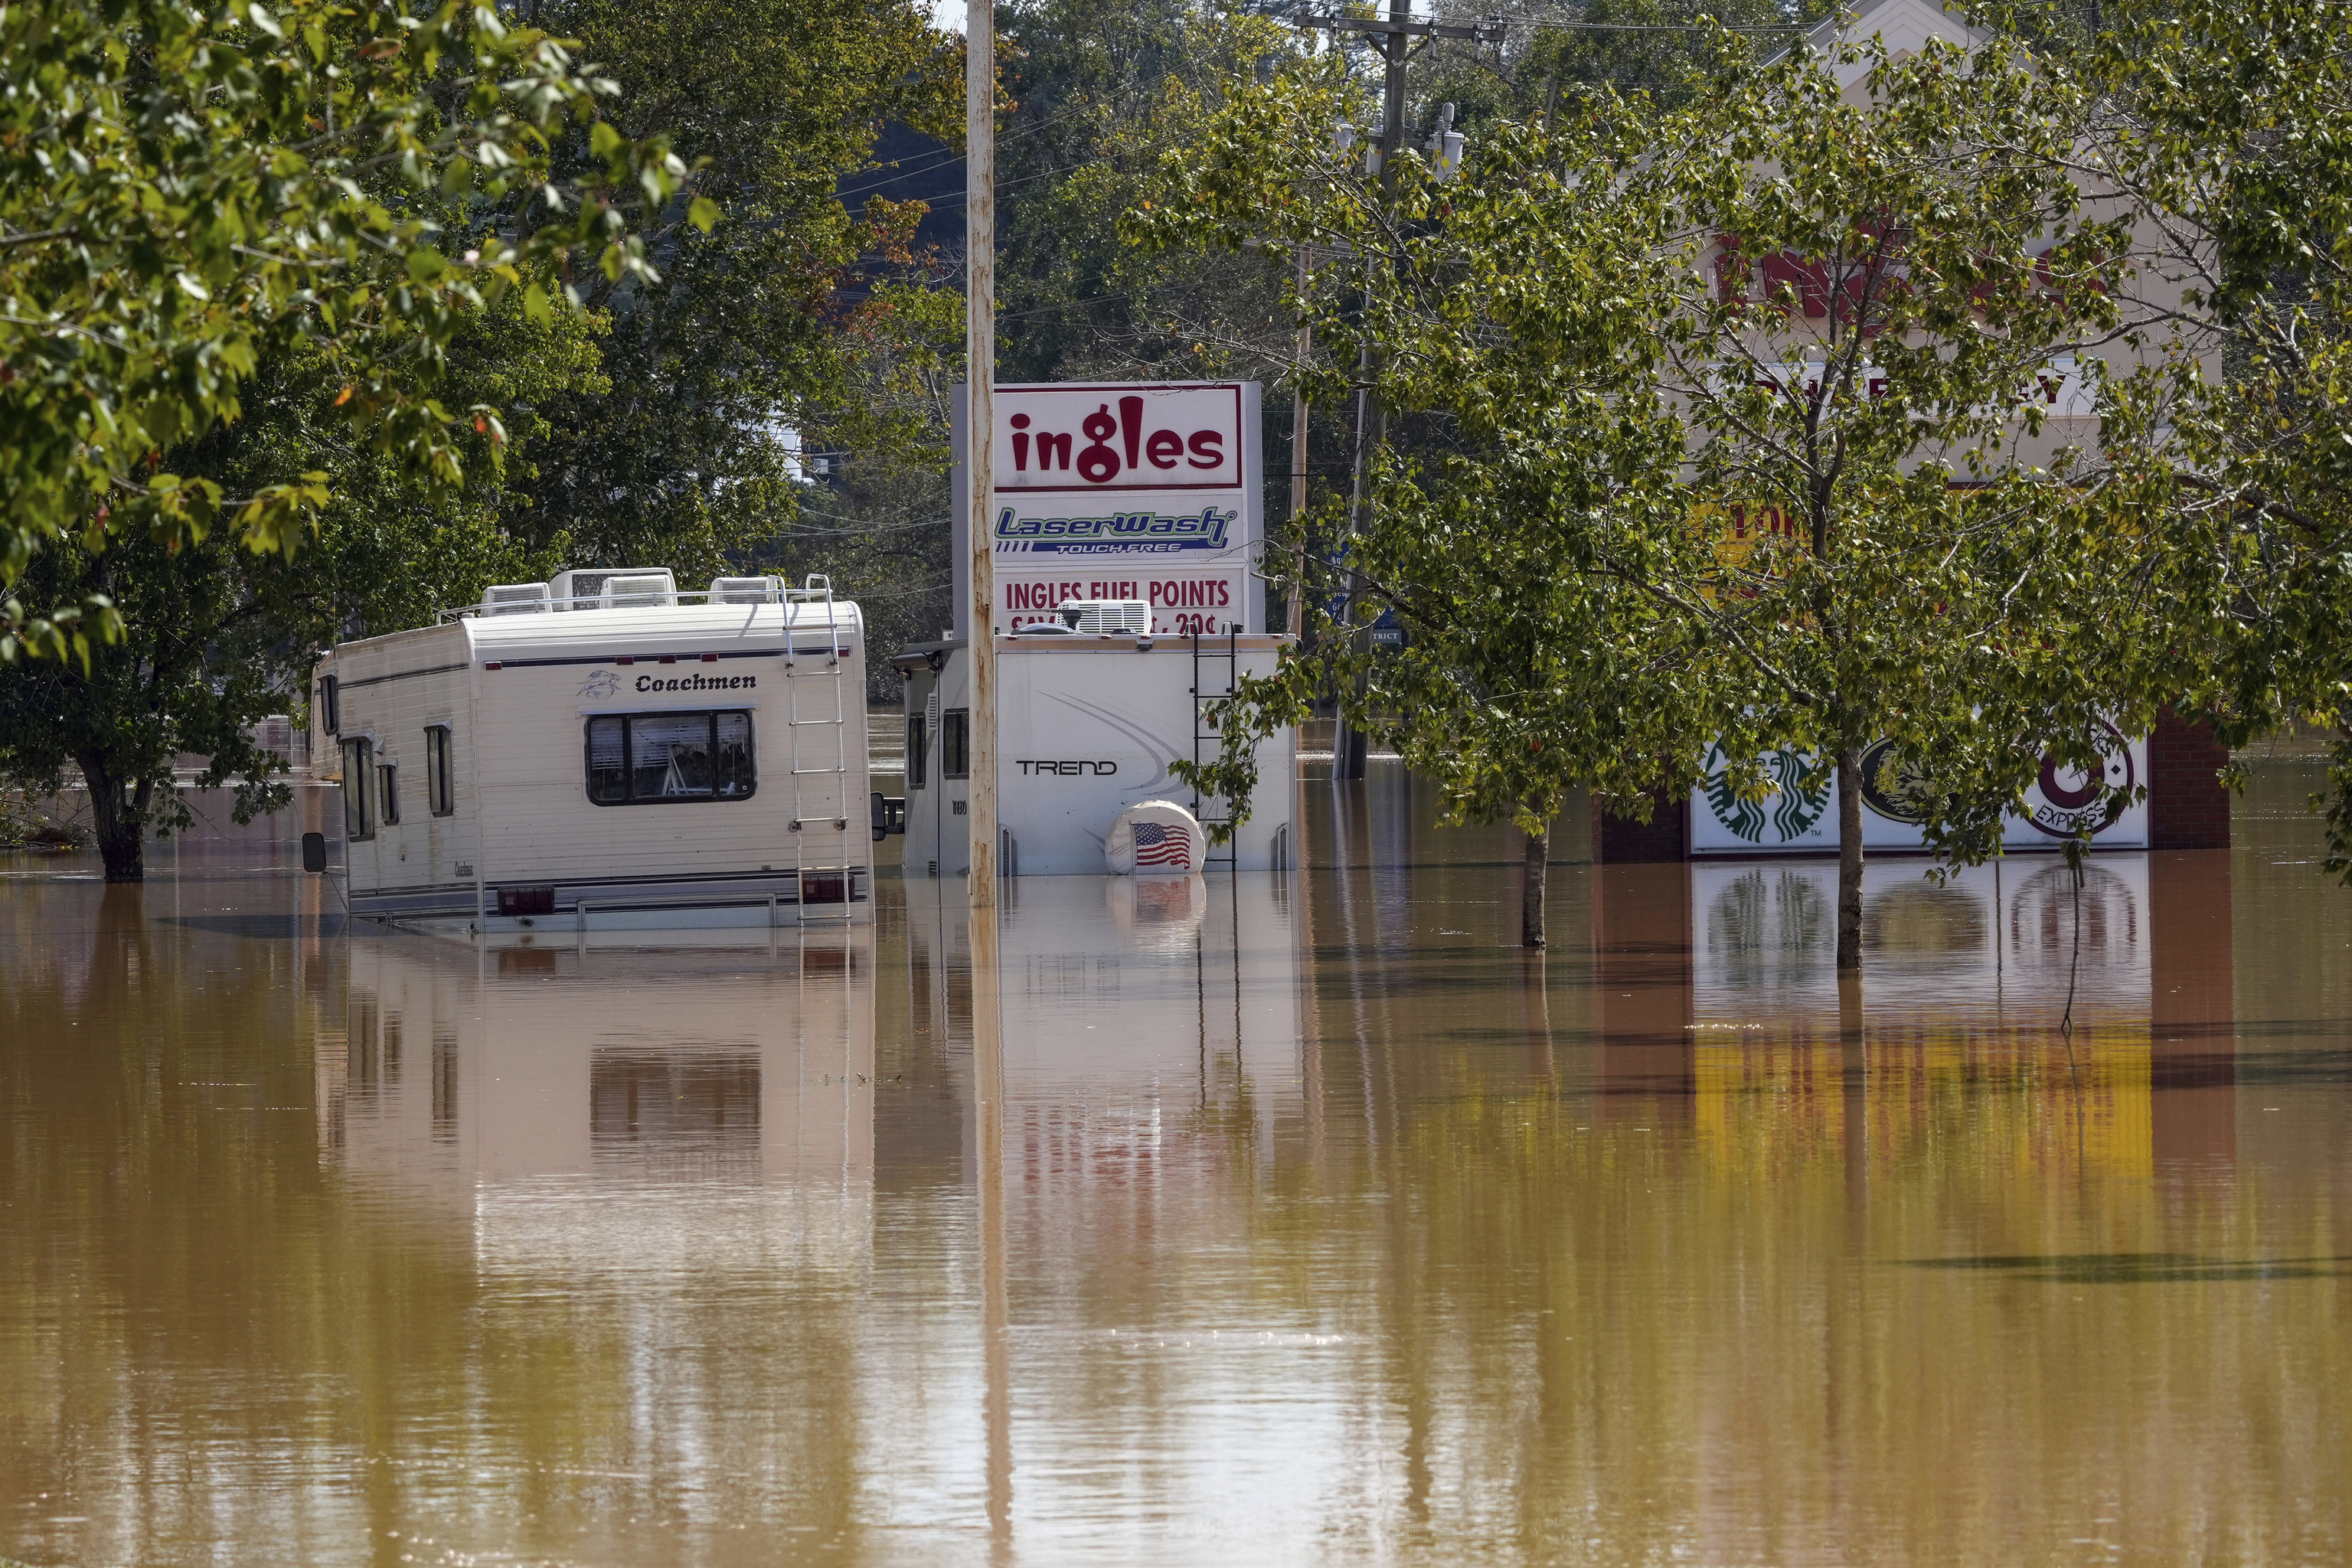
(1849, 902)
(1537, 861)
(119, 823)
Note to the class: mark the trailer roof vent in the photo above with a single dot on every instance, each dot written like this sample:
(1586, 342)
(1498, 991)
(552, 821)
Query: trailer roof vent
(747, 589)
(515, 599)
(582, 588)
(639, 588)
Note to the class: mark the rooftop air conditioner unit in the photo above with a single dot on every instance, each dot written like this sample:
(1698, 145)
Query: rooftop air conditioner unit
(515, 599)
(625, 590)
(747, 589)
(1107, 618)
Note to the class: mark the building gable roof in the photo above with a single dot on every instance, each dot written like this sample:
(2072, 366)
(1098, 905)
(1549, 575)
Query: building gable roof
(1905, 26)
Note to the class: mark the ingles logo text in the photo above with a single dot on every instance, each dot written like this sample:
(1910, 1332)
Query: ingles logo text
(1113, 533)
(1113, 445)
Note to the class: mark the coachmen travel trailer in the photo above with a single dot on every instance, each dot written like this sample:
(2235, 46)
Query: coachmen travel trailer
(604, 752)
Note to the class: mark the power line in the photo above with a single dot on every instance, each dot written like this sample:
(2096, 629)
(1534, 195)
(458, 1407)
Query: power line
(924, 162)
(799, 534)
(1665, 27)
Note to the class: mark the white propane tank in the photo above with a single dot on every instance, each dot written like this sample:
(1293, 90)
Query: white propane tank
(1155, 838)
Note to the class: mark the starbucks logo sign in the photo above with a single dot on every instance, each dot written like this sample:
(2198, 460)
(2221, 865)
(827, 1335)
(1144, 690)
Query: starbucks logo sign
(1801, 794)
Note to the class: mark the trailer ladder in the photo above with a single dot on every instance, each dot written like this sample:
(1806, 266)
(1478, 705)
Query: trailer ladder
(820, 864)
(1206, 658)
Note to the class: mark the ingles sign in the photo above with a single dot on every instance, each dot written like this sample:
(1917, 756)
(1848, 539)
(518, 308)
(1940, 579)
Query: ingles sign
(1150, 487)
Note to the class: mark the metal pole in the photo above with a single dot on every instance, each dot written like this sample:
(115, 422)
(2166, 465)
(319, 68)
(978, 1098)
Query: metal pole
(980, 438)
(1349, 744)
(1298, 469)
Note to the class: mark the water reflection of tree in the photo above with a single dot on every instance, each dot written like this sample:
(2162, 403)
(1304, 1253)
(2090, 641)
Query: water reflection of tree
(1922, 925)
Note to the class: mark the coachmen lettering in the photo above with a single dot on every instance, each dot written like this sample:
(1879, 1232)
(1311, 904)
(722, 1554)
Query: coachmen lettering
(1144, 491)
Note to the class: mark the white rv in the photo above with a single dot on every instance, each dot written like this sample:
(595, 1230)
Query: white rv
(602, 752)
(1090, 714)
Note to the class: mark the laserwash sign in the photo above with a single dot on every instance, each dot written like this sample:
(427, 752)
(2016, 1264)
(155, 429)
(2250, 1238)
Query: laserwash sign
(1145, 491)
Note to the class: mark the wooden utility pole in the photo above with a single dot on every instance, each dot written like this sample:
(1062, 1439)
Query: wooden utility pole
(980, 427)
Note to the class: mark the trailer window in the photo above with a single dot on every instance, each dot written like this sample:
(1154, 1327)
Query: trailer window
(359, 772)
(387, 791)
(440, 795)
(330, 705)
(916, 735)
(955, 743)
(639, 759)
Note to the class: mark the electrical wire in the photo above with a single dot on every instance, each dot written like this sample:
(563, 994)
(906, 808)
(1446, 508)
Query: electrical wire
(926, 162)
(908, 527)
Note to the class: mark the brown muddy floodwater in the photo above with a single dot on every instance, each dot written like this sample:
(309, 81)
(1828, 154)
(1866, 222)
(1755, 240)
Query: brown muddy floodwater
(1290, 1222)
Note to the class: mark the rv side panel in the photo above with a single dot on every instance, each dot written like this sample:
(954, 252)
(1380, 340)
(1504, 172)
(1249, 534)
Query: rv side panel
(416, 846)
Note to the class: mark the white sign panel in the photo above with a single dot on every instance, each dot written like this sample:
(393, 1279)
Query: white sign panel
(1801, 816)
(1145, 491)
(2057, 388)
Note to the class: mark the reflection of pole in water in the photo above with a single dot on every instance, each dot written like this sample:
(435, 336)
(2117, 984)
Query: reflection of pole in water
(1235, 903)
(1201, 1003)
(1348, 809)
(1310, 1037)
(988, 1060)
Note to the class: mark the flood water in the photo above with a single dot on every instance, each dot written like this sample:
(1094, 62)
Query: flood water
(1282, 1221)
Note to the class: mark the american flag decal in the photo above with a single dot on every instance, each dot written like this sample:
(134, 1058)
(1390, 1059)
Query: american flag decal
(1159, 845)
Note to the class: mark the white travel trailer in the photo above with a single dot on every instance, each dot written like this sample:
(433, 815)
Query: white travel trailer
(1088, 719)
(600, 751)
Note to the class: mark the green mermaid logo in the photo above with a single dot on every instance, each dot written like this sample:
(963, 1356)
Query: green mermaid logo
(1801, 794)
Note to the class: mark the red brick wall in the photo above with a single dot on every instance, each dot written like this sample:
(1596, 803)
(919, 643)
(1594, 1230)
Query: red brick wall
(2187, 807)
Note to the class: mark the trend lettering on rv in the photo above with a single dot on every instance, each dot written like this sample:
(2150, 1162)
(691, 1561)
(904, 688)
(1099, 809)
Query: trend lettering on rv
(696, 683)
(1066, 767)
(1117, 533)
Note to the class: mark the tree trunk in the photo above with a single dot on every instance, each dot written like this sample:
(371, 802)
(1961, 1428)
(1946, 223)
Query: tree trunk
(1849, 904)
(119, 823)
(1531, 886)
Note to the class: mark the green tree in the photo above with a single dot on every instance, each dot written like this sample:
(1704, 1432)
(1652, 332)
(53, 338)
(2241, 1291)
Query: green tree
(797, 325)
(217, 635)
(184, 193)
(2234, 123)
(1789, 300)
